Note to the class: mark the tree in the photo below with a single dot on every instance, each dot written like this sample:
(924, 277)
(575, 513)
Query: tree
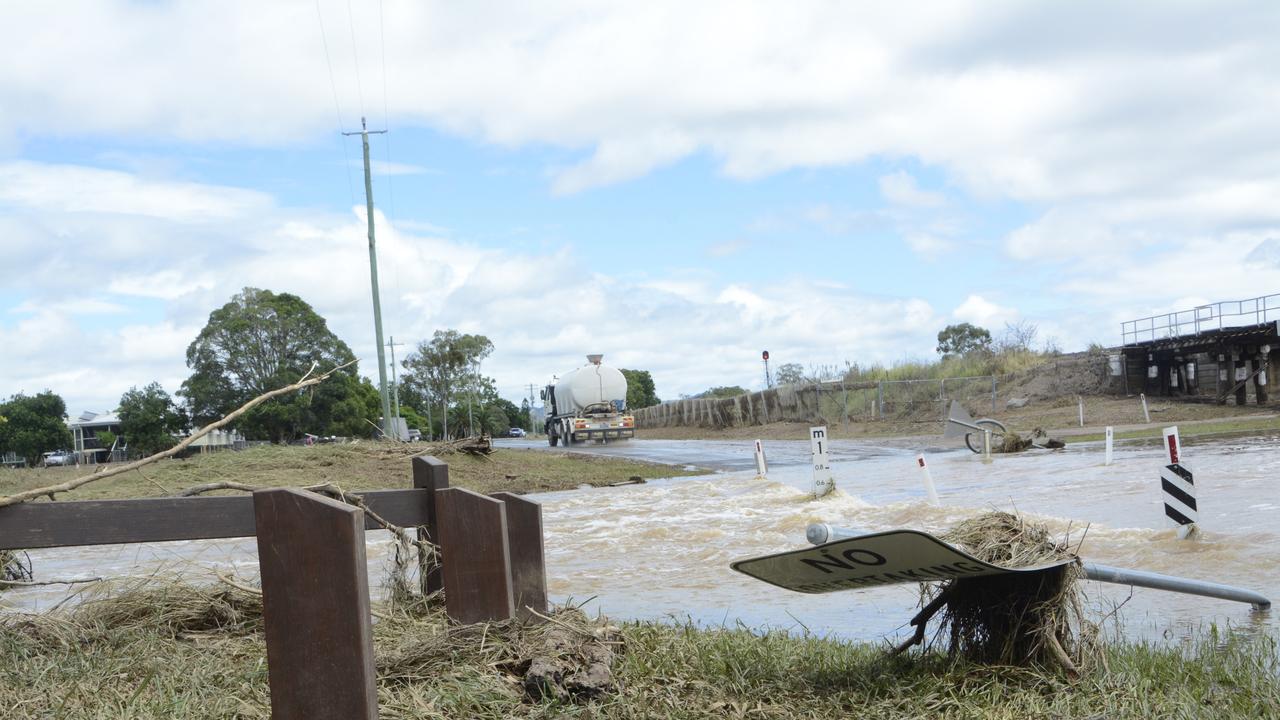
(445, 366)
(260, 341)
(640, 391)
(789, 374)
(962, 339)
(1019, 336)
(149, 420)
(34, 424)
(723, 391)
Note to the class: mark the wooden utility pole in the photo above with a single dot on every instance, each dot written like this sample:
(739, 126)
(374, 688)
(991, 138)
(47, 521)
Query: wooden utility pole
(373, 276)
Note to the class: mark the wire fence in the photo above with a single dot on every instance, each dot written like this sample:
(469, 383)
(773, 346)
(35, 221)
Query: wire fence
(828, 403)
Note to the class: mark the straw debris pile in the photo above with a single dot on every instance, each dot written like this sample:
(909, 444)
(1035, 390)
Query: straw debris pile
(1013, 619)
(174, 629)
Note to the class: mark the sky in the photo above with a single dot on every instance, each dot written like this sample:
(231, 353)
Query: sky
(678, 186)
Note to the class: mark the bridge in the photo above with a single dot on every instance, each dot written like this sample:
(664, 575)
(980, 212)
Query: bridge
(1211, 352)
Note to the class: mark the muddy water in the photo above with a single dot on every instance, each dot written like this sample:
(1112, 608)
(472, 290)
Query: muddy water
(662, 550)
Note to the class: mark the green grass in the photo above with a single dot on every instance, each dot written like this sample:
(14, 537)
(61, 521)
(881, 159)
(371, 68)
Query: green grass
(1005, 362)
(163, 656)
(363, 466)
(1225, 426)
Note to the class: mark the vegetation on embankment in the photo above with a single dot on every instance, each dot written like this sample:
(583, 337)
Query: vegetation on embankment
(360, 466)
(1059, 417)
(174, 652)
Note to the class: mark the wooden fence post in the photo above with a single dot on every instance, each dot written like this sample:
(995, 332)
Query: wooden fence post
(433, 475)
(315, 597)
(524, 547)
(477, 563)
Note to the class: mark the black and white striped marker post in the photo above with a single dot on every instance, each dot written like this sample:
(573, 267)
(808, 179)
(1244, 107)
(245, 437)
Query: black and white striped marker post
(762, 467)
(1178, 487)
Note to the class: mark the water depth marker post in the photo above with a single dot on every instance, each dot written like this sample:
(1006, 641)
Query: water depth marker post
(823, 481)
(762, 467)
(1110, 439)
(1178, 487)
(928, 481)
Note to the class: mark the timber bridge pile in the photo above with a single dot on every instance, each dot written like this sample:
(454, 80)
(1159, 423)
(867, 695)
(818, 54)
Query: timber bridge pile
(1210, 353)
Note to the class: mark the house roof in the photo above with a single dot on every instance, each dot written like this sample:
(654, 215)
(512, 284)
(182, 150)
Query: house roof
(93, 419)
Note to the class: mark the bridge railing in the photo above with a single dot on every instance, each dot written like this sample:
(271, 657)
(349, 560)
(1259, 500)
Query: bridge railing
(1215, 316)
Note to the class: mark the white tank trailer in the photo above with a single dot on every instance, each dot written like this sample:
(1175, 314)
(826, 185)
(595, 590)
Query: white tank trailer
(589, 403)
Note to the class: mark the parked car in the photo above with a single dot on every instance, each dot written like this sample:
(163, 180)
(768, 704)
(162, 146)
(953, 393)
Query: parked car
(515, 432)
(415, 435)
(59, 458)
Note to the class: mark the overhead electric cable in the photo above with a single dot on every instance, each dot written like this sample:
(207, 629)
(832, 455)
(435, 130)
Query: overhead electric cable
(351, 20)
(337, 108)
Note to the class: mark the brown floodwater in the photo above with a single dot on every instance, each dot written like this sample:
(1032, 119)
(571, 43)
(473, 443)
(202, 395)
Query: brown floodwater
(662, 550)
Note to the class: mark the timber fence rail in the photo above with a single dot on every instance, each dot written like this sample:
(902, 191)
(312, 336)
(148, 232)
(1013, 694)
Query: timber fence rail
(319, 643)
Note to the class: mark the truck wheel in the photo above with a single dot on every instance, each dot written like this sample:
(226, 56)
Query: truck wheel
(551, 438)
(568, 436)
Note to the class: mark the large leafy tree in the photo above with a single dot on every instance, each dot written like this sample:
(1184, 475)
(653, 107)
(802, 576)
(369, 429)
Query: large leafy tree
(640, 391)
(33, 424)
(446, 368)
(963, 339)
(789, 374)
(260, 341)
(150, 420)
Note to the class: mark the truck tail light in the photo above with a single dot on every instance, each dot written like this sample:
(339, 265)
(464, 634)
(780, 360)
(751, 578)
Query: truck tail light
(628, 421)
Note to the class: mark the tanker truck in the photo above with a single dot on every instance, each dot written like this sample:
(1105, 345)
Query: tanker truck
(588, 404)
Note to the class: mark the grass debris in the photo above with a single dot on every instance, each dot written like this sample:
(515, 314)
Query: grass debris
(1022, 619)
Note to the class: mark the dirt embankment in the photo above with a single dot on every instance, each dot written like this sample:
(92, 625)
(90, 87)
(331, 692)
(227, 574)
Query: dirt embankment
(1045, 397)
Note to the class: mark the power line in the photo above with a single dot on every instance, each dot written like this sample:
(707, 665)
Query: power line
(386, 173)
(337, 108)
(351, 23)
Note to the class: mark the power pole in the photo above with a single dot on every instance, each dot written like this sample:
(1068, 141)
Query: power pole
(395, 383)
(373, 277)
(533, 428)
(471, 425)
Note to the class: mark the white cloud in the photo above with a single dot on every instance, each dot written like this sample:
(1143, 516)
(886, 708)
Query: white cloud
(982, 312)
(543, 310)
(900, 188)
(927, 246)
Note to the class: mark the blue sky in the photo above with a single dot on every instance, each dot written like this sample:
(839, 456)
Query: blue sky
(676, 187)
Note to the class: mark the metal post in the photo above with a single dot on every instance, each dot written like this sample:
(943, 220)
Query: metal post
(822, 533)
(986, 445)
(880, 399)
(373, 278)
(993, 393)
(395, 382)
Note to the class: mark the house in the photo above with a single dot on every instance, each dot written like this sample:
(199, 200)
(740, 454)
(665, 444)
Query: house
(87, 443)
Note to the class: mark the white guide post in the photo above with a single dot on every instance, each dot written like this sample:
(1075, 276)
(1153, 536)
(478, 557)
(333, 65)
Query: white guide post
(762, 468)
(1110, 439)
(929, 489)
(1178, 487)
(1145, 413)
(1080, 399)
(823, 482)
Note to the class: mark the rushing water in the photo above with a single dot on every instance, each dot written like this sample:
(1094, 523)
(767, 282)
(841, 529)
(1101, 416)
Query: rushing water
(662, 549)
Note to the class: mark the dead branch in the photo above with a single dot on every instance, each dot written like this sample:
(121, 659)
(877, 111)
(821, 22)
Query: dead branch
(222, 485)
(306, 381)
(34, 583)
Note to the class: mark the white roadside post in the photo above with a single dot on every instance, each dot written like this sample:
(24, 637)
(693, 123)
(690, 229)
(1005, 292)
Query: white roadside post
(986, 445)
(928, 481)
(823, 482)
(762, 468)
(1178, 488)
(1145, 413)
(1080, 398)
(1110, 439)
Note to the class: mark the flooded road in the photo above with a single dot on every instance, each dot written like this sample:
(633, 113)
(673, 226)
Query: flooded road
(662, 550)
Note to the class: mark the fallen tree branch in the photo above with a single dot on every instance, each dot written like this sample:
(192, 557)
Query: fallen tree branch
(34, 583)
(306, 381)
